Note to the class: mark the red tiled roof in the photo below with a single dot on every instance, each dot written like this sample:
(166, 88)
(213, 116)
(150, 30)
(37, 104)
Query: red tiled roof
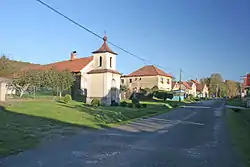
(149, 70)
(104, 48)
(186, 85)
(97, 71)
(199, 87)
(75, 65)
(190, 83)
(195, 81)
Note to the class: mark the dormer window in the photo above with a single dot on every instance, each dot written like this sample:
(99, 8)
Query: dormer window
(100, 61)
(110, 61)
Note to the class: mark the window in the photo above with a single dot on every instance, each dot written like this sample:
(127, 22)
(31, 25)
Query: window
(130, 80)
(135, 79)
(140, 79)
(162, 80)
(100, 61)
(110, 61)
(168, 81)
(122, 81)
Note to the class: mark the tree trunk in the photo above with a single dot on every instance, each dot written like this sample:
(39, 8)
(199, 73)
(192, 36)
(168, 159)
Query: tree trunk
(21, 93)
(60, 95)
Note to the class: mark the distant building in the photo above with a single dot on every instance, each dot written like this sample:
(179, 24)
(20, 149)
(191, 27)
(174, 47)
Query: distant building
(3, 88)
(201, 89)
(147, 77)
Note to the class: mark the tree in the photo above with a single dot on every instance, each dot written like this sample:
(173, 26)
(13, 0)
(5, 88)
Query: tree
(27, 79)
(232, 88)
(6, 68)
(216, 84)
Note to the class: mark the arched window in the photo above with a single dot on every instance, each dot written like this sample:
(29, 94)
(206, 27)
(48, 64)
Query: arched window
(100, 61)
(110, 61)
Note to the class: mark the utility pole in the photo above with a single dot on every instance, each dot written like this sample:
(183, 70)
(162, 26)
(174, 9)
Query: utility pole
(180, 86)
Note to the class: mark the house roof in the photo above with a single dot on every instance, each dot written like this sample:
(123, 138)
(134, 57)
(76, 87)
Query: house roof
(75, 65)
(186, 85)
(190, 83)
(195, 81)
(104, 48)
(149, 70)
(199, 87)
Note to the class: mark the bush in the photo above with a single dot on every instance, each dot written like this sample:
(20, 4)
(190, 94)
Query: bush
(130, 105)
(114, 103)
(144, 105)
(163, 95)
(67, 98)
(138, 105)
(124, 104)
(96, 102)
(135, 101)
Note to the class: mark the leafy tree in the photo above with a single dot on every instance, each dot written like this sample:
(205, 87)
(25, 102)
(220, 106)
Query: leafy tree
(216, 84)
(232, 88)
(6, 68)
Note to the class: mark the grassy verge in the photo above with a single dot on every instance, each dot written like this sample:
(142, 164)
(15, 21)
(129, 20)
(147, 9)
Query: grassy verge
(24, 124)
(235, 102)
(239, 123)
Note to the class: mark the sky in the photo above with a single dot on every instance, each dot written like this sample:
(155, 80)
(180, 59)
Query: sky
(200, 37)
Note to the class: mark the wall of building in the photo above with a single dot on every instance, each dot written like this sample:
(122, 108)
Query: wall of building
(140, 82)
(164, 83)
(105, 61)
(2, 91)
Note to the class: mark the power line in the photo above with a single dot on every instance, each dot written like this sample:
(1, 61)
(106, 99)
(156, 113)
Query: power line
(95, 34)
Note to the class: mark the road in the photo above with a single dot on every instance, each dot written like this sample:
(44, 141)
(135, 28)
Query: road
(193, 136)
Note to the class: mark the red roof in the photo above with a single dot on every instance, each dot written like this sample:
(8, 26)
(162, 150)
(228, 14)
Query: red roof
(199, 87)
(186, 85)
(190, 83)
(149, 70)
(104, 48)
(195, 81)
(75, 65)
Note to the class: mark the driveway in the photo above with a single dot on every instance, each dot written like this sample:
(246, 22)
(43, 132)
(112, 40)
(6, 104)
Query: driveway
(192, 136)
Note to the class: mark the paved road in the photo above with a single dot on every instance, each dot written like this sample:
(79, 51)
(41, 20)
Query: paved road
(193, 136)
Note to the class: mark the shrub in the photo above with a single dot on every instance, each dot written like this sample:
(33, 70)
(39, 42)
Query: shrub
(163, 95)
(124, 104)
(130, 105)
(114, 103)
(144, 105)
(236, 109)
(96, 102)
(138, 105)
(135, 101)
(67, 98)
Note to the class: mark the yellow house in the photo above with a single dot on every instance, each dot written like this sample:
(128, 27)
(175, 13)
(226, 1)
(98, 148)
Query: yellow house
(147, 77)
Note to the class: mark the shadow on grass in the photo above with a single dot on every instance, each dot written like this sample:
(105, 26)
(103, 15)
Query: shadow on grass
(20, 131)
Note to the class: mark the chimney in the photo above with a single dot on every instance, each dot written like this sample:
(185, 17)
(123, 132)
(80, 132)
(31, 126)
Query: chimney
(73, 55)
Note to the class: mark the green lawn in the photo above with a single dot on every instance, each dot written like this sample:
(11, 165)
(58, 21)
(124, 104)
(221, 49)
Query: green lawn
(24, 124)
(239, 123)
(235, 102)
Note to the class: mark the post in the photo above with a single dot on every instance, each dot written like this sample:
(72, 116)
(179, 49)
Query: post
(180, 86)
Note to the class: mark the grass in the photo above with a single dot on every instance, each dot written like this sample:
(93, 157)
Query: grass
(239, 123)
(235, 102)
(24, 124)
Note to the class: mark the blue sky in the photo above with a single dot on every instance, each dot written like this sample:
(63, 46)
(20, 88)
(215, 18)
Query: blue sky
(201, 37)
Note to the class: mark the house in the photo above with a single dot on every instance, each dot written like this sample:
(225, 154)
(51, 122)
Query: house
(201, 89)
(185, 86)
(193, 88)
(96, 75)
(3, 88)
(148, 76)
